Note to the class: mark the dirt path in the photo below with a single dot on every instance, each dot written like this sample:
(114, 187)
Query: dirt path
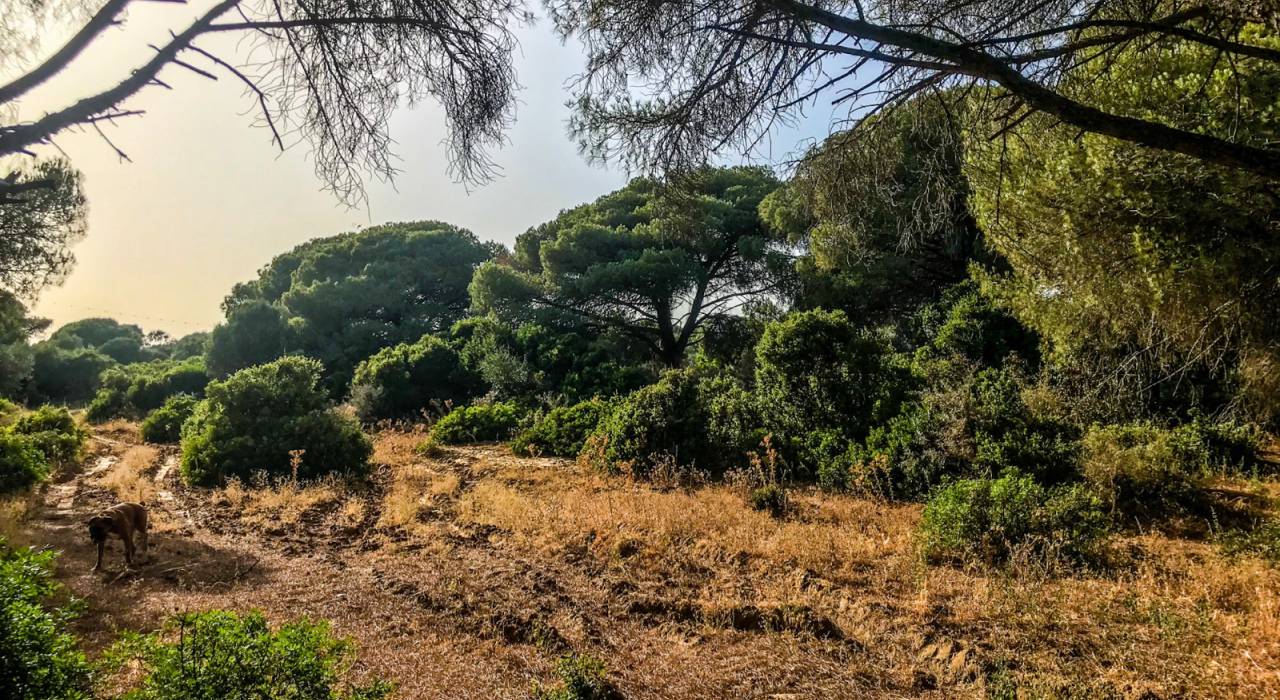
(462, 616)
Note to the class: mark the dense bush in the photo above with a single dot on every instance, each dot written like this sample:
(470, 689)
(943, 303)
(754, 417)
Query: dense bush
(39, 659)
(1229, 446)
(480, 423)
(403, 379)
(64, 375)
(582, 677)
(53, 431)
(165, 423)
(216, 654)
(21, 462)
(816, 371)
(986, 520)
(253, 419)
(690, 421)
(562, 431)
(1143, 469)
(133, 391)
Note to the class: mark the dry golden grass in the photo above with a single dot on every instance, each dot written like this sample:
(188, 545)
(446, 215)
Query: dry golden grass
(14, 510)
(282, 503)
(689, 593)
(130, 478)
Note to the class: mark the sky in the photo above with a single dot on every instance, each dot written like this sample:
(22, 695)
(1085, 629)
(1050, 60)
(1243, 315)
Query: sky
(207, 200)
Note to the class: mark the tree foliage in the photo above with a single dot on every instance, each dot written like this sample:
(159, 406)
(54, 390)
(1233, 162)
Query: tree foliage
(676, 82)
(327, 72)
(654, 261)
(341, 299)
(1112, 254)
(42, 214)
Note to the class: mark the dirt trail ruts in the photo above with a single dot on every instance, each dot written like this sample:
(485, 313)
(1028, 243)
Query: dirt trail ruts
(464, 617)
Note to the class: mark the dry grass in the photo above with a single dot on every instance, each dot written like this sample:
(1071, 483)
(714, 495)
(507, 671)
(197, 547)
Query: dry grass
(282, 503)
(130, 478)
(476, 558)
(14, 510)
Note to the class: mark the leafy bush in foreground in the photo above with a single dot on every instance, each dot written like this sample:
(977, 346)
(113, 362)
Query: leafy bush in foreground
(21, 463)
(53, 431)
(403, 379)
(216, 654)
(987, 519)
(480, 423)
(164, 425)
(253, 419)
(562, 431)
(39, 659)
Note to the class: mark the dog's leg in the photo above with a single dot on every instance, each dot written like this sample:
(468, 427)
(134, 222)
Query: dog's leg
(128, 549)
(142, 532)
(101, 545)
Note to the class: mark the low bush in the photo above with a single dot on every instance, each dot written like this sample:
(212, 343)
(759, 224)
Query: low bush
(164, 425)
(252, 420)
(217, 654)
(133, 391)
(403, 379)
(8, 411)
(53, 431)
(986, 520)
(816, 371)
(39, 659)
(490, 422)
(1230, 447)
(771, 499)
(703, 423)
(21, 463)
(562, 431)
(582, 677)
(1142, 469)
(1262, 540)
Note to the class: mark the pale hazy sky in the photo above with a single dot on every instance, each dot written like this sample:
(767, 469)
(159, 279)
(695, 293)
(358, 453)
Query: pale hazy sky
(208, 200)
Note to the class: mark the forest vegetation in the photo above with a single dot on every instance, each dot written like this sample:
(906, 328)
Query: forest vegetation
(1013, 333)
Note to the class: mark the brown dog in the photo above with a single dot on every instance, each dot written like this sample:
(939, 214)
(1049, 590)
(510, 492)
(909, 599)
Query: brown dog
(121, 520)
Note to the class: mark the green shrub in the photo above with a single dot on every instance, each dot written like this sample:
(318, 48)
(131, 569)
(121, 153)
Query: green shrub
(1229, 446)
(562, 431)
(217, 654)
(816, 371)
(902, 459)
(771, 499)
(582, 677)
(253, 419)
(491, 422)
(39, 659)
(985, 520)
(133, 391)
(694, 422)
(1142, 469)
(1262, 541)
(21, 462)
(53, 431)
(164, 425)
(403, 379)
(8, 411)
(1006, 434)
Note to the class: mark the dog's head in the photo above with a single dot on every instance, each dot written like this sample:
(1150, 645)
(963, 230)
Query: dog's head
(99, 526)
